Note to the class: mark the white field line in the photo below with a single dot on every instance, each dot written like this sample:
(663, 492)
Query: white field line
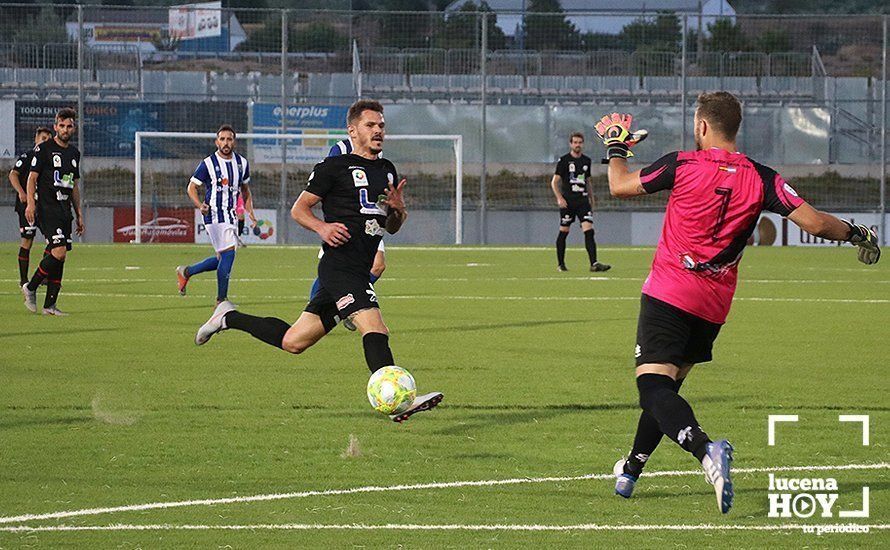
(412, 487)
(825, 527)
(442, 248)
(304, 297)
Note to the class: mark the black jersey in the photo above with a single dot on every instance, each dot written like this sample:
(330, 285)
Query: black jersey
(57, 169)
(574, 173)
(350, 188)
(23, 168)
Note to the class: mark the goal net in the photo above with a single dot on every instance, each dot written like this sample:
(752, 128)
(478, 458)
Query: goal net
(279, 167)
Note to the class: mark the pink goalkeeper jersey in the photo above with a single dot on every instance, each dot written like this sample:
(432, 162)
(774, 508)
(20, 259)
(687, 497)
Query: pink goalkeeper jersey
(715, 203)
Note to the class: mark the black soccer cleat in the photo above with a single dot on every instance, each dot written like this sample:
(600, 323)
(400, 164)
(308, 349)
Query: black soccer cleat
(421, 403)
(561, 267)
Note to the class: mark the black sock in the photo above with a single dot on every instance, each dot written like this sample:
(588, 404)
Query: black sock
(240, 227)
(659, 398)
(561, 247)
(647, 438)
(590, 244)
(53, 286)
(24, 259)
(268, 329)
(49, 264)
(377, 352)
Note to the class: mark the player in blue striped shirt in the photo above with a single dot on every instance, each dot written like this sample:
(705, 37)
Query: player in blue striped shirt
(344, 147)
(224, 176)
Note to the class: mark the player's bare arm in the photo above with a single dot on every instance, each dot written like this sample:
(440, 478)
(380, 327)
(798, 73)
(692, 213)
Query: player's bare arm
(31, 208)
(821, 224)
(78, 213)
(395, 202)
(17, 185)
(248, 203)
(334, 234)
(193, 195)
(554, 185)
(623, 183)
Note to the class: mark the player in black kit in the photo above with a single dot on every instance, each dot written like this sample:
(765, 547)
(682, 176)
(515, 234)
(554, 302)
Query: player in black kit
(55, 169)
(360, 199)
(571, 187)
(18, 178)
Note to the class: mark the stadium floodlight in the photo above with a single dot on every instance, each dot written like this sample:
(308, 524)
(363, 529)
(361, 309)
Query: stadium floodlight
(173, 165)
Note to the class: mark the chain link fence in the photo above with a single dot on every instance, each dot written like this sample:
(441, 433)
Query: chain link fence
(514, 84)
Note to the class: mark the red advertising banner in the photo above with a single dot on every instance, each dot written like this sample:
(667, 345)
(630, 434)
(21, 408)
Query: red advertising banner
(163, 225)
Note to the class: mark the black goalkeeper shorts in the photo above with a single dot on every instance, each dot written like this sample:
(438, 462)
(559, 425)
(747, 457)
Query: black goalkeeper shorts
(667, 334)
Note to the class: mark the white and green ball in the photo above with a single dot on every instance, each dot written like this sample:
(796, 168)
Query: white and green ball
(391, 390)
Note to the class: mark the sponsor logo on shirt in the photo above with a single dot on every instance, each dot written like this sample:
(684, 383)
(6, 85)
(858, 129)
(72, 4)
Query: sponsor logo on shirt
(790, 190)
(359, 178)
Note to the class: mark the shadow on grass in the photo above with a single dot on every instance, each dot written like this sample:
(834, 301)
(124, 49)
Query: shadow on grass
(58, 421)
(498, 326)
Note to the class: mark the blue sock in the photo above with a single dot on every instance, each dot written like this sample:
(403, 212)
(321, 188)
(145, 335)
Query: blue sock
(316, 287)
(226, 260)
(374, 278)
(207, 264)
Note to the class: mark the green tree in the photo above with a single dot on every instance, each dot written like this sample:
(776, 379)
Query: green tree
(463, 29)
(726, 36)
(774, 41)
(318, 36)
(547, 28)
(662, 34)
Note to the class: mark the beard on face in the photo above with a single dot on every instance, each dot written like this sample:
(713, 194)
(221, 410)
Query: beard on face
(64, 138)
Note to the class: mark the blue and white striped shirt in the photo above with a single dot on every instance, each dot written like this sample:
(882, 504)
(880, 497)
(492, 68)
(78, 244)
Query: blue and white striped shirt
(344, 147)
(222, 180)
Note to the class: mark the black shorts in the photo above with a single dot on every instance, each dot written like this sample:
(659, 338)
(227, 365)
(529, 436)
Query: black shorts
(342, 294)
(580, 210)
(667, 334)
(26, 230)
(56, 230)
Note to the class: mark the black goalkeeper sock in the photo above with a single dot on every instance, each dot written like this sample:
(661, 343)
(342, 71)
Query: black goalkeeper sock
(270, 330)
(49, 264)
(240, 227)
(377, 352)
(24, 260)
(659, 398)
(53, 286)
(647, 438)
(561, 247)
(590, 244)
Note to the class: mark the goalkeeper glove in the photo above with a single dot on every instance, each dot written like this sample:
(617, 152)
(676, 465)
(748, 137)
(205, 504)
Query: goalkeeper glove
(615, 132)
(867, 241)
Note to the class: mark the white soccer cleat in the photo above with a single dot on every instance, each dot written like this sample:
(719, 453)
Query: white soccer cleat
(54, 311)
(716, 464)
(624, 483)
(421, 403)
(30, 298)
(215, 324)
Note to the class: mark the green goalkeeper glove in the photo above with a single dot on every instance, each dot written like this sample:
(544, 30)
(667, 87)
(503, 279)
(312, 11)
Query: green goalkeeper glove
(867, 241)
(615, 132)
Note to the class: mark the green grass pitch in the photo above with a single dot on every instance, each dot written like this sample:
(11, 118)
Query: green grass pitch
(115, 405)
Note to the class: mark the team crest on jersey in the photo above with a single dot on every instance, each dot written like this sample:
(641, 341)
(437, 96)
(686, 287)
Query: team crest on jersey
(57, 161)
(790, 190)
(224, 182)
(390, 178)
(359, 178)
(74, 163)
(571, 167)
(372, 228)
(345, 301)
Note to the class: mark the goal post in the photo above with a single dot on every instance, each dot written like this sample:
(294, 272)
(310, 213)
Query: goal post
(398, 148)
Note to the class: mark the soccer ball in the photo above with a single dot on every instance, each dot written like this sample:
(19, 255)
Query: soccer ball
(391, 390)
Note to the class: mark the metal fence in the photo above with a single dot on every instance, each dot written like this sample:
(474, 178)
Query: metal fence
(513, 83)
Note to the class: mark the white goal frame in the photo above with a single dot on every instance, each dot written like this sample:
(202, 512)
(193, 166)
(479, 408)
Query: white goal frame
(456, 140)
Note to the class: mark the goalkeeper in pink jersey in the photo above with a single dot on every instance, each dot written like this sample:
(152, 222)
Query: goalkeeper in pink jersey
(717, 196)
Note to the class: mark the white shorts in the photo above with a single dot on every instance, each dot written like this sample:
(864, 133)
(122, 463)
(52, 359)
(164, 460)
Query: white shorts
(380, 248)
(222, 235)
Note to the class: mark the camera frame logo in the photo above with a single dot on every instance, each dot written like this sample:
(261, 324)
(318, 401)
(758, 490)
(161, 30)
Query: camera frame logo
(808, 497)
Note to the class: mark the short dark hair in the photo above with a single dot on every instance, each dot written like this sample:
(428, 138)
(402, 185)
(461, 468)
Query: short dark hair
(42, 130)
(226, 128)
(360, 106)
(65, 114)
(576, 135)
(722, 110)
